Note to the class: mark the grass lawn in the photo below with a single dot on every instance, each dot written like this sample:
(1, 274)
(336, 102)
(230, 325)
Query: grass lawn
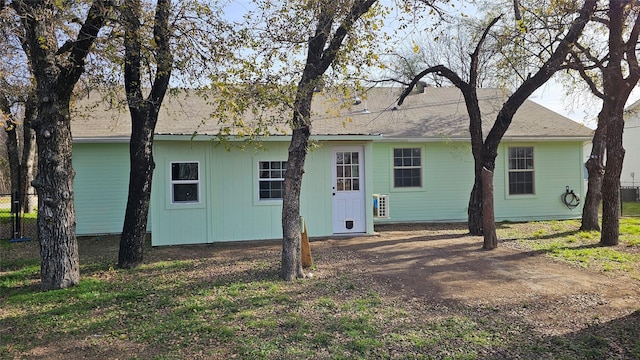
(562, 240)
(223, 307)
(630, 208)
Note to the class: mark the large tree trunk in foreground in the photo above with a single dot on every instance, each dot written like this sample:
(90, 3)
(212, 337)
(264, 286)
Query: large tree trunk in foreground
(622, 62)
(489, 222)
(318, 61)
(513, 103)
(59, 267)
(56, 70)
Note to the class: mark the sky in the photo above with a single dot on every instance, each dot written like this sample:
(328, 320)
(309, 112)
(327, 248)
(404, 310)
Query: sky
(582, 108)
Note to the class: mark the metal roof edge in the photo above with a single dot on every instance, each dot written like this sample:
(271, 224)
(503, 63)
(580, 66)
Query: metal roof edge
(547, 138)
(467, 139)
(424, 139)
(102, 139)
(170, 137)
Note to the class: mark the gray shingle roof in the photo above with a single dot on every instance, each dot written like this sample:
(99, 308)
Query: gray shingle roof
(435, 114)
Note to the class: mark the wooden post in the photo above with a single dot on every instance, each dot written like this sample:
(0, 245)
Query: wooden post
(307, 261)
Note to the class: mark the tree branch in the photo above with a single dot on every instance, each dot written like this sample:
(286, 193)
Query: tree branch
(473, 71)
(356, 12)
(438, 69)
(131, 11)
(162, 35)
(87, 35)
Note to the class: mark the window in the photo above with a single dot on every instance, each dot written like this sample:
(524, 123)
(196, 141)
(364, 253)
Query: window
(271, 179)
(520, 170)
(407, 167)
(347, 170)
(185, 182)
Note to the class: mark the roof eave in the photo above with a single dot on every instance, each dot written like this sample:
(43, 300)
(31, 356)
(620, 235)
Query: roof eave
(199, 137)
(100, 139)
(467, 139)
(547, 138)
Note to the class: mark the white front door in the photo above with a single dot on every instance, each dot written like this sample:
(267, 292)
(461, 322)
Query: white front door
(348, 190)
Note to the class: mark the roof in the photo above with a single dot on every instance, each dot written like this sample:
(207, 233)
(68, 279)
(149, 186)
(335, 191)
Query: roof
(436, 113)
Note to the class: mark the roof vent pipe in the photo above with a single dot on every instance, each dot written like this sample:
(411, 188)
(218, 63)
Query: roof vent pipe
(420, 87)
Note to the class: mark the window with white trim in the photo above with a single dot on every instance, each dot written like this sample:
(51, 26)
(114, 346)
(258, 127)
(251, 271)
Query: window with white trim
(407, 167)
(521, 172)
(271, 179)
(185, 182)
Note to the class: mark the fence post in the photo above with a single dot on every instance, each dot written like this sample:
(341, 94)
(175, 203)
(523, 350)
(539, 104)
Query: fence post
(15, 213)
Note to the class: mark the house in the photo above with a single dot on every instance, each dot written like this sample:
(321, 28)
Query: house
(630, 136)
(413, 163)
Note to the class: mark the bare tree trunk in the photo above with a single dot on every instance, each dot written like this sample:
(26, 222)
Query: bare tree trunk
(134, 229)
(489, 222)
(474, 211)
(13, 151)
(611, 181)
(59, 266)
(622, 62)
(144, 117)
(28, 155)
(291, 242)
(21, 154)
(56, 70)
(318, 61)
(595, 169)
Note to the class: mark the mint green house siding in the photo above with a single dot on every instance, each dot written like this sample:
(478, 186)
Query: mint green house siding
(557, 165)
(100, 186)
(447, 179)
(228, 206)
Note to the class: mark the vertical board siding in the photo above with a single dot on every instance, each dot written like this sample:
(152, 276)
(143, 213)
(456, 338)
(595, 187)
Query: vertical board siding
(557, 165)
(232, 210)
(446, 183)
(229, 208)
(631, 162)
(174, 224)
(101, 186)
(316, 199)
(448, 180)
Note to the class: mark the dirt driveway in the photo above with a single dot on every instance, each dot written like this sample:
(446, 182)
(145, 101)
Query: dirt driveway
(441, 264)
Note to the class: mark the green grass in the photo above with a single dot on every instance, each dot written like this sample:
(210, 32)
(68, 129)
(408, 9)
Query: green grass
(563, 240)
(177, 317)
(631, 208)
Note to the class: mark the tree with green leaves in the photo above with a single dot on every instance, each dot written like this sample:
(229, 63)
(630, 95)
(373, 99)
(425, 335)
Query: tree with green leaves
(163, 43)
(333, 23)
(56, 68)
(292, 50)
